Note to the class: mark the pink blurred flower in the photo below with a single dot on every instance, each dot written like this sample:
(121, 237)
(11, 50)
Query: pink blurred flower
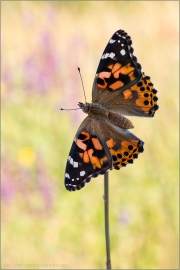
(25, 184)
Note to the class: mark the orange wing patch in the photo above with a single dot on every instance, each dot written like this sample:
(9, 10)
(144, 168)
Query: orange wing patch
(80, 142)
(147, 98)
(97, 144)
(116, 85)
(126, 69)
(110, 143)
(115, 69)
(91, 148)
(85, 157)
(113, 74)
(94, 160)
(128, 151)
(103, 75)
(127, 94)
(88, 157)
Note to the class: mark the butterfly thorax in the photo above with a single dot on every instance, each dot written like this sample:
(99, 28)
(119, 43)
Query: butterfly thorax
(98, 111)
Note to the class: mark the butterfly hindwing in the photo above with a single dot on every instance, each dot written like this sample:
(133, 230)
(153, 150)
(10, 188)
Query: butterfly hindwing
(141, 98)
(138, 100)
(123, 145)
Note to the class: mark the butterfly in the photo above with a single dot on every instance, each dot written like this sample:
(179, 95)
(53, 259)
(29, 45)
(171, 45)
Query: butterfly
(103, 141)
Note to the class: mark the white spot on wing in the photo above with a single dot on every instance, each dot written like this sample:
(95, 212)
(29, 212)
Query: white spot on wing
(119, 35)
(106, 55)
(75, 164)
(112, 40)
(82, 173)
(67, 175)
(71, 161)
(123, 52)
(111, 55)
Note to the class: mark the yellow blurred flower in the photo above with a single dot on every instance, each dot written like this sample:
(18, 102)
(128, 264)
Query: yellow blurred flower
(26, 156)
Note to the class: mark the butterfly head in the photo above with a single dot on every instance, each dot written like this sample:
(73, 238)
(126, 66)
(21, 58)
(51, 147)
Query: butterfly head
(85, 107)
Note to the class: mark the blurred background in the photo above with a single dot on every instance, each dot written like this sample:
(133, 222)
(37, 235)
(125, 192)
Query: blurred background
(43, 225)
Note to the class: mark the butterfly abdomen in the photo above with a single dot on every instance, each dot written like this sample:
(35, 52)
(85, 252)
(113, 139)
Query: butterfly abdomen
(120, 120)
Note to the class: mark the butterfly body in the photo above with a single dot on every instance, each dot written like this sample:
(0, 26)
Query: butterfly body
(103, 141)
(100, 112)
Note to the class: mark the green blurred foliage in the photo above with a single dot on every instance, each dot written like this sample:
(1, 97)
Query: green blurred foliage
(43, 225)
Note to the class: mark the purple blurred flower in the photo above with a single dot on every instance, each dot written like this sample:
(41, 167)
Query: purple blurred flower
(7, 186)
(45, 186)
(7, 78)
(124, 218)
(72, 87)
(25, 183)
(41, 68)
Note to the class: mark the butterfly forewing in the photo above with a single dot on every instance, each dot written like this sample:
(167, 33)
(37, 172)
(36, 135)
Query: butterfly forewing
(118, 68)
(87, 158)
(119, 83)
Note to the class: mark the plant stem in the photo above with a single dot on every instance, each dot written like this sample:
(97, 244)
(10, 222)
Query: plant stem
(106, 211)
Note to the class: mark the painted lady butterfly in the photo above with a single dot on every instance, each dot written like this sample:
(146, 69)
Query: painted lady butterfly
(103, 140)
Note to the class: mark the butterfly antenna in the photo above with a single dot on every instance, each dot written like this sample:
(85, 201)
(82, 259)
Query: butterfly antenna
(83, 91)
(82, 84)
(70, 109)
